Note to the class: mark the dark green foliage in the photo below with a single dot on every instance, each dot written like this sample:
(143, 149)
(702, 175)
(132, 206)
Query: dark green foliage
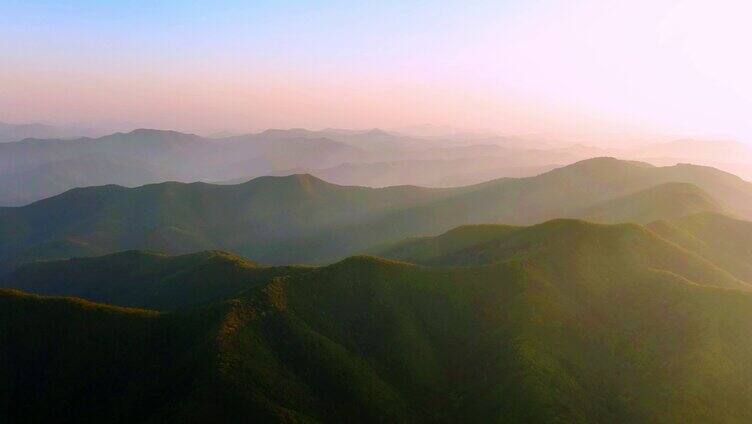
(566, 321)
(67, 360)
(147, 280)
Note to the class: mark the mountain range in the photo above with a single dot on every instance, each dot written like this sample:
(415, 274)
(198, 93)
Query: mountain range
(564, 321)
(36, 168)
(15, 132)
(33, 169)
(302, 219)
(601, 291)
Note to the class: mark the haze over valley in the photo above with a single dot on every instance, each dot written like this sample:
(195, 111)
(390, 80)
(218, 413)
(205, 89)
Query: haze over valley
(32, 169)
(315, 212)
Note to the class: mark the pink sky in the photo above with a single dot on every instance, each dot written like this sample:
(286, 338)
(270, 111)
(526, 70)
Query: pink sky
(560, 67)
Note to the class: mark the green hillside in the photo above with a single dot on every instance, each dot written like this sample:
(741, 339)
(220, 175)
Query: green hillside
(565, 321)
(182, 218)
(519, 342)
(302, 219)
(572, 191)
(577, 249)
(665, 201)
(425, 249)
(725, 241)
(66, 360)
(147, 280)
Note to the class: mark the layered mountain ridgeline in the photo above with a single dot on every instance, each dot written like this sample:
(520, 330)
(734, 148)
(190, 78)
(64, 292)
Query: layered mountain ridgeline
(15, 132)
(565, 321)
(52, 178)
(33, 169)
(182, 218)
(300, 218)
(576, 191)
(36, 168)
(431, 172)
(161, 147)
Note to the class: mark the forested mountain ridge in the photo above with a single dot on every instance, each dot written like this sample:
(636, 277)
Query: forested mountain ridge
(302, 219)
(533, 334)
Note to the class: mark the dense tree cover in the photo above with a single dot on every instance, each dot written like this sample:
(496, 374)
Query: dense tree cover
(566, 321)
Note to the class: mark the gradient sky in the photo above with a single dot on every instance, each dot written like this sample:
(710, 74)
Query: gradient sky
(554, 66)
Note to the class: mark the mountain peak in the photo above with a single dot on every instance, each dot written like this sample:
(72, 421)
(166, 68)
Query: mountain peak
(362, 263)
(303, 176)
(306, 181)
(289, 133)
(377, 132)
(605, 166)
(606, 161)
(148, 132)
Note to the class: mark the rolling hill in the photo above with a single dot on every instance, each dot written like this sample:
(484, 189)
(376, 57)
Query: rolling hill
(147, 280)
(579, 247)
(183, 218)
(665, 201)
(566, 321)
(722, 240)
(300, 218)
(708, 236)
(571, 191)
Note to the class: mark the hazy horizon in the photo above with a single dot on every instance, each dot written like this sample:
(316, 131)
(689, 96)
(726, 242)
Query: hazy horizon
(402, 211)
(591, 69)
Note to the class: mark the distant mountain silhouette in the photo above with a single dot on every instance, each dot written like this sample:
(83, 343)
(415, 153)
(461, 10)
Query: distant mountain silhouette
(149, 156)
(16, 132)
